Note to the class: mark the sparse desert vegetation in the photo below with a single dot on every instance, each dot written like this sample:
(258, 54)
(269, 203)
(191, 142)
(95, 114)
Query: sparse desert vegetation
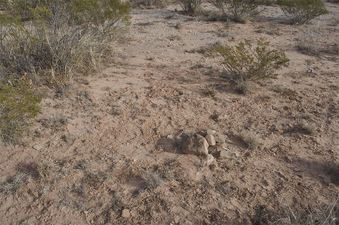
(302, 11)
(52, 40)
(169, 112)
(245, 61)
(19, 104)
(238, 10)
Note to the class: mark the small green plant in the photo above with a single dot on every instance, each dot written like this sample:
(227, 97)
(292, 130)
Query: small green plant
(238, 10)
(190, 6)
(302, 11)
(18, 105)
(247, 62)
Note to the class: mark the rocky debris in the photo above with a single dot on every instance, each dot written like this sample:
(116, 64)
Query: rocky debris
(68, 138)
(220, 139)
(194, 144)
(228, 154)
(211, 132)
(210, 160)
(210, 139)
(215, 138)
(126, 213)
(38, 147)
(208, 144)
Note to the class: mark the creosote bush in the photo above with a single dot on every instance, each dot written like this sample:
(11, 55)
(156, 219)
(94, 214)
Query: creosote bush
(302, 11)
(238, 10)
(18, 105)
(251, 62)
(50, 40)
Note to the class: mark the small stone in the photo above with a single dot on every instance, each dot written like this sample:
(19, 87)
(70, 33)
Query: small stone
(170, 136)
(210, 139)
(210, 160)
(68, 138)
(194, 144)
(176, 219)
(38, 147)
(227, 154)
(211, 132)
(220, 139)
(126, 213)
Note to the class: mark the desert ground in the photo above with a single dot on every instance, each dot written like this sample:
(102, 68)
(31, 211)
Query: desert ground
(104, 150)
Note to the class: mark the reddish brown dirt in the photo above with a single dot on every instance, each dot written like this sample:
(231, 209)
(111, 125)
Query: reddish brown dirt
(96, 149)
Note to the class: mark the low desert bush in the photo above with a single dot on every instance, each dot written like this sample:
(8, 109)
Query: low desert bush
(48, 41)
(302, 11)
(149, 3)
(53, 39)
(238, 10)
(315, 42)
(18, 105)
(246, 61)
(316, 215)
(190, 6)
(24, 173)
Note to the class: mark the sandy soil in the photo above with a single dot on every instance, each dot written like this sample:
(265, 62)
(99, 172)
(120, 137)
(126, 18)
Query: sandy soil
(98, 153)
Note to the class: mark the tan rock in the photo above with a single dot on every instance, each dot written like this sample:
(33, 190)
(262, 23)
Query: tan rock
(194, 144)
(211, 140)
(126, 213)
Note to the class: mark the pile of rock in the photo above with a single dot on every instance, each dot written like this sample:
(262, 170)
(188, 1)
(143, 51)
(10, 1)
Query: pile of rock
(208, 145)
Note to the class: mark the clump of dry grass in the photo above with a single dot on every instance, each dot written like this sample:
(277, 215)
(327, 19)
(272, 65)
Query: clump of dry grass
(326, 216)
(315, 42)
(249, 140)
(302, 11)
(152, 180)
(238, 10)
(48, 42)
(190, 6)
(51, 40)
(323, 215)
(149, 3)
(19, 104)
(209, 92)
(24, 172)
(302, 127)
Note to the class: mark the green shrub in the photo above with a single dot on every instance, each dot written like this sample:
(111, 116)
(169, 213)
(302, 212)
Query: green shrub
(18, 105)
(190, 6)
(53, 39)
(247, 62)
(302, 11)
(238, 10)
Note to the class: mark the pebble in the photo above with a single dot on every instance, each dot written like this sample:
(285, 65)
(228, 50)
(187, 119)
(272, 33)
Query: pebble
(194, 144)
(211, 140)
(211, 132)
(210, 160)
(126, 213)
(227, 154)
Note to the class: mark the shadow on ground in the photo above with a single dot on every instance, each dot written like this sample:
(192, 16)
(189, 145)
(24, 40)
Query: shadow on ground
(326, 171)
